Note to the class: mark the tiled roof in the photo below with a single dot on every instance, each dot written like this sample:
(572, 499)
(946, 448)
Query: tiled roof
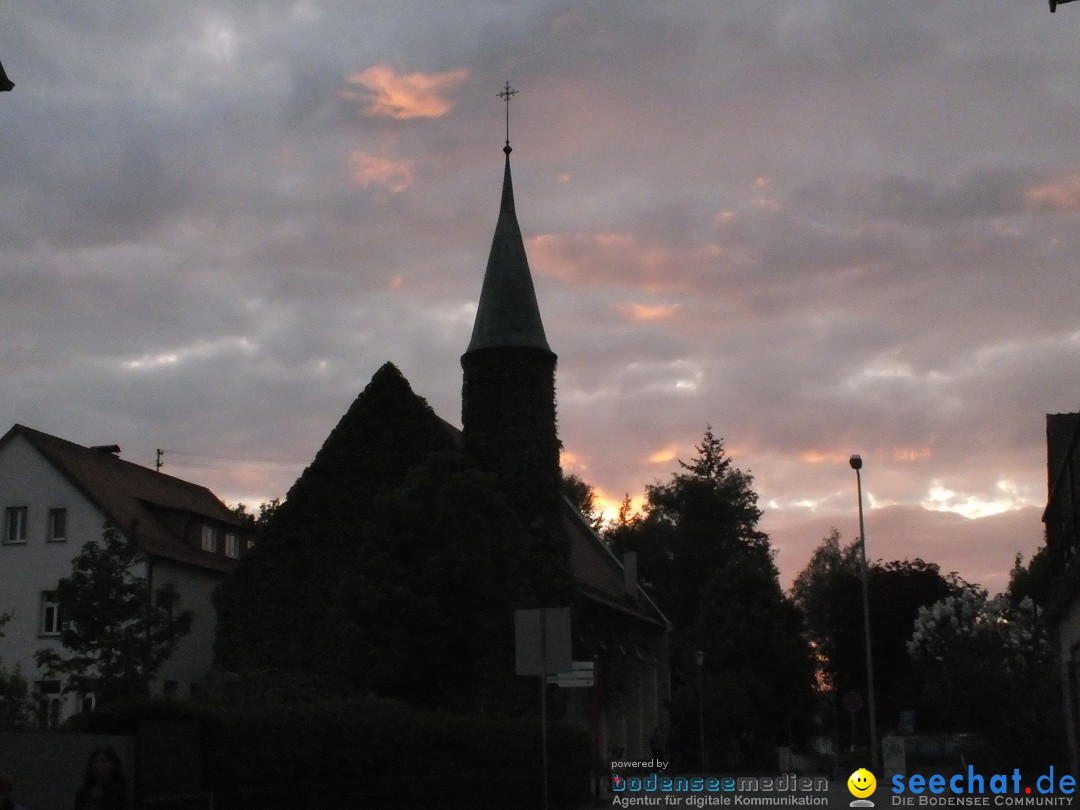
(129, 494)
(599, 575)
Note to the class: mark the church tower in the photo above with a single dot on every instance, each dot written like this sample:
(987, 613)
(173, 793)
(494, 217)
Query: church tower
(508, 393)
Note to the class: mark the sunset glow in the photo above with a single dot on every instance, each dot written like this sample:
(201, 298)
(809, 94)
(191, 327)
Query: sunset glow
(404, 96)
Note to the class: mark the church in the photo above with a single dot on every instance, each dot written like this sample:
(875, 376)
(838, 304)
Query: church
(509, 433)
(509, 428)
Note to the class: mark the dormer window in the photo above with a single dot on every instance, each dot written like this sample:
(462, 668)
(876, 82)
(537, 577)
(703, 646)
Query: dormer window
(209, 539)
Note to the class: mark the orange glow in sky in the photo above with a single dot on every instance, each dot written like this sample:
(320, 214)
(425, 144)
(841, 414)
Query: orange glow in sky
(404, 96)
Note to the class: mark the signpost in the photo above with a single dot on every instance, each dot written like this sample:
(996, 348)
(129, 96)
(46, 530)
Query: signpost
(542, 647)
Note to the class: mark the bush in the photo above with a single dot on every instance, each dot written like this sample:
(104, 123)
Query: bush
(368, 752)
(377, 753)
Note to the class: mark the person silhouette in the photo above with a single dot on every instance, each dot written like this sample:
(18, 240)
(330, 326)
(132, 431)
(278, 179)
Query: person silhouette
(7, 787)
(104, 786)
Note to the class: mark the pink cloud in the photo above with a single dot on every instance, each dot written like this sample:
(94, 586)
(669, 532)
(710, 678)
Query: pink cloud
(372, 170)
(605, 258)
(1062, 194)
(404, 96)
(644, 312)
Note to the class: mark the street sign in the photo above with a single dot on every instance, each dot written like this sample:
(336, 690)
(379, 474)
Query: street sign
(542, 641)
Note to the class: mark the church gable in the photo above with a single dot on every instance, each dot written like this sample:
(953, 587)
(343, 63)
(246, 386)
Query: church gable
(387, 430)
(273, 608)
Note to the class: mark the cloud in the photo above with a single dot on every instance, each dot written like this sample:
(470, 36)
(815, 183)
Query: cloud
(368, 170)
(646, 312)
(591, 259)
(1061, 194)
(405, 96)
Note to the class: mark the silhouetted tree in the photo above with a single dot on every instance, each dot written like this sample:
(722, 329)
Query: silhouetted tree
(986, 666)
(16, 704)
(583, 496)
(116, 630)
(710, 569)
(829, 592)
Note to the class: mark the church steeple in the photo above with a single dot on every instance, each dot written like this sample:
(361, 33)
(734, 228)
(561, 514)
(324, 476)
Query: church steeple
(508, 392)
(508, 314)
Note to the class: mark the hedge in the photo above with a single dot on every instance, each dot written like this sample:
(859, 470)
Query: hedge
(369, 753)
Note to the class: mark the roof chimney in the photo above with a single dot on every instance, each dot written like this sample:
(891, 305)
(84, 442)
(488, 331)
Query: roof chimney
(110, 449)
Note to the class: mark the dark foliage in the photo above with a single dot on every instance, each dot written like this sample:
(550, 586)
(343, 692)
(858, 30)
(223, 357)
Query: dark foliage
(116, 631)
(424, 610)
(272, 610)
(829, 591)
(365, 753)
(709, 568)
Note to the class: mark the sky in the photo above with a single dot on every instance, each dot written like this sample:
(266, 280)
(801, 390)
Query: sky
(822, 227)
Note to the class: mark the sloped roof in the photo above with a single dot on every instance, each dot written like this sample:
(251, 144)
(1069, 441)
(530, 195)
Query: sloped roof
(129, 494)
(507, 314)
(599, 575)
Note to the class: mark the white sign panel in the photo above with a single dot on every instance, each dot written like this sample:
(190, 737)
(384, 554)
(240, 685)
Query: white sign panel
(542, 641)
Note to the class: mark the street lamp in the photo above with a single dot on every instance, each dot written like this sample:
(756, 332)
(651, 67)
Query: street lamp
(856, 464)
(699, 656)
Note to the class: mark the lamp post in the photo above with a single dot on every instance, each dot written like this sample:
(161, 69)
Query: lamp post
(699, 656)
(856, 464)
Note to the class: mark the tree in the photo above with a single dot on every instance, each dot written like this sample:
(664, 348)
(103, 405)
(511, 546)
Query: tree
(692, 524)
(708, 567)
(985, 665)
(116, 630)
(16, 704)
(1036, 581)
(829, 592)
(583, 496)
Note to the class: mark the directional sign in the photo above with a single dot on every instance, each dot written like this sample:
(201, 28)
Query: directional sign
(583, 674)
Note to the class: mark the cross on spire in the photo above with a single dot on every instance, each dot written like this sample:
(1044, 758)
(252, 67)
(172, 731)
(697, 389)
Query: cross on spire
(506, 94)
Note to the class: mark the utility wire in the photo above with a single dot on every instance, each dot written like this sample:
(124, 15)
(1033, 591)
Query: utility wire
(220, 462)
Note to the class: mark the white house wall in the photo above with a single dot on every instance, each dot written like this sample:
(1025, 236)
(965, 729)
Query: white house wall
(27, 569)
(194, 655)
(1069, 640)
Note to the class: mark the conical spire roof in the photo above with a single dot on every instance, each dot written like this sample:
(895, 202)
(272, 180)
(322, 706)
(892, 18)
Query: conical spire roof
(507, 315)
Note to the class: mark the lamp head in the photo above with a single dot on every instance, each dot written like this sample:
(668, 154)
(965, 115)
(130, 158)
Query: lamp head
(856, 462)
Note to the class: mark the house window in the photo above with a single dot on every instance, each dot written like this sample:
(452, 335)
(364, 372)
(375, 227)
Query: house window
(209, 539)
(48, 696)
(50, 614)
(232, 545)
(15, 524)
(57, 525)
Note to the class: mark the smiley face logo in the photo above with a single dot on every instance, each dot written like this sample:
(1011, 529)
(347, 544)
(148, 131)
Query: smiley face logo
(861, 783)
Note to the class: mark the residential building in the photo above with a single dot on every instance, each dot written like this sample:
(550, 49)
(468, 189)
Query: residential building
(56, 496)
(1062, 519)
